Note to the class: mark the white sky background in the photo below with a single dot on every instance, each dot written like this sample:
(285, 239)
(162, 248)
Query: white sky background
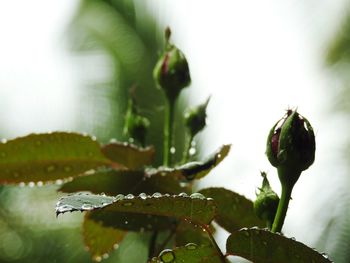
(256, 58)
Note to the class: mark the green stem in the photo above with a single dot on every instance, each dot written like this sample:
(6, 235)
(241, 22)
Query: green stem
(212, 239)
(152, 244)
(168, 131)
(282, 209)
(186, 154)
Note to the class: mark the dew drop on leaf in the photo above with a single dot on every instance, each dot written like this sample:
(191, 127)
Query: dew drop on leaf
(197, 196)
(191, 246)
(86, 207)
(97, 258)
(143, 196)
(129, 196)
(183, 195)
(172, 150)
(31, 184)
(119, 197)
(157, 195)
(167, 255)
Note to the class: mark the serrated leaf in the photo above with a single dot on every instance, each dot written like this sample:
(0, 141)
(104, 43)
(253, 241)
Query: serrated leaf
(195, 208)
(191, 253)
(48, 157)
(263, 246)
(195, 170)
(129, 155)
(234, 211)
(99, 239)
(113, 182)
(187, 232)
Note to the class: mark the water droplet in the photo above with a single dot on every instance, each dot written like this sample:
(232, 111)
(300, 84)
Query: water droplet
(172, 150)
(3, 141)
(97, 258)
(50, 168)
(128, 204)
(131, 140)
(113, 140)
(40, 184)
(105, 256)
(143, 196)
(126, 222)
(2, 154)
(31, 184)
(197, 196)
(21, 184)
(93, 138)
(192, 151)
(219, 156)
(293, 238)
(67, 168)
(191, 246)
(119, 197)
(157, 195)
(183, 195)
(58, 182)
(210, 199)
(86, 207)
(129, 196)
(116, 246)
(167, 255)
(103, 194)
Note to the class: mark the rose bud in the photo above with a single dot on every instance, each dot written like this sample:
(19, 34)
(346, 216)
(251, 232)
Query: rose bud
(266, 203)
(195, 118)
(291, 146)
(171, 72)
(136, 126)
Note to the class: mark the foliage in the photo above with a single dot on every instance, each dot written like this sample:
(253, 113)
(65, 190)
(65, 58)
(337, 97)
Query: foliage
(123, 196)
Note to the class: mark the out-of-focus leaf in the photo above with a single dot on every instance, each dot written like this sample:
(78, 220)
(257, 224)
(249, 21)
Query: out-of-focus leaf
(186, 232)
(262, 246)
(99, 239)
(113, 182)
(191, 252)
(234, 211)
(48, 157)
(195, 208)
(195, 170)
(129, 155)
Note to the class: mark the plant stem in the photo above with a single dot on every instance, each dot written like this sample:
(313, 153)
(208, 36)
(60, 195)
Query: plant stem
(152, 244)
(168, 131)
(212, 239)
(186, 154)
(282, 209)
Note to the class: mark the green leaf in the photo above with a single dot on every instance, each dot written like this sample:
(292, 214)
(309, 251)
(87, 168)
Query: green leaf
(129, 155)
(262, 246)
(113, 182)
(194, 170)
(191, 253)
(99, 239)
(186, 232)
(195, 208)
(48, 157)
(234, 211)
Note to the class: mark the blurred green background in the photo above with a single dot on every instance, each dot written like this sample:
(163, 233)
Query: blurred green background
(113, 45)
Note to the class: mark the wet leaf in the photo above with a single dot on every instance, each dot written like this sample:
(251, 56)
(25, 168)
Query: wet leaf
(129, 155)
(191, 252)
(131, 222)
(234, 211)
(113, 182)
(262, 246)
(195, 170)
(195, 208)
(187, 232)
(99, 239)
(48, 157)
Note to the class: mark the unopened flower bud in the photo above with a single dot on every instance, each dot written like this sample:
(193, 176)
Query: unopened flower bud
(171, 72)
(266, 203)
(195, 118)
(291, 146)
(136, 126)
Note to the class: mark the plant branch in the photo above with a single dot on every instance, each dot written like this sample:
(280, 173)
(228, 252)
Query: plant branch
(282, 209)
(168, 131)
(212, 239)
